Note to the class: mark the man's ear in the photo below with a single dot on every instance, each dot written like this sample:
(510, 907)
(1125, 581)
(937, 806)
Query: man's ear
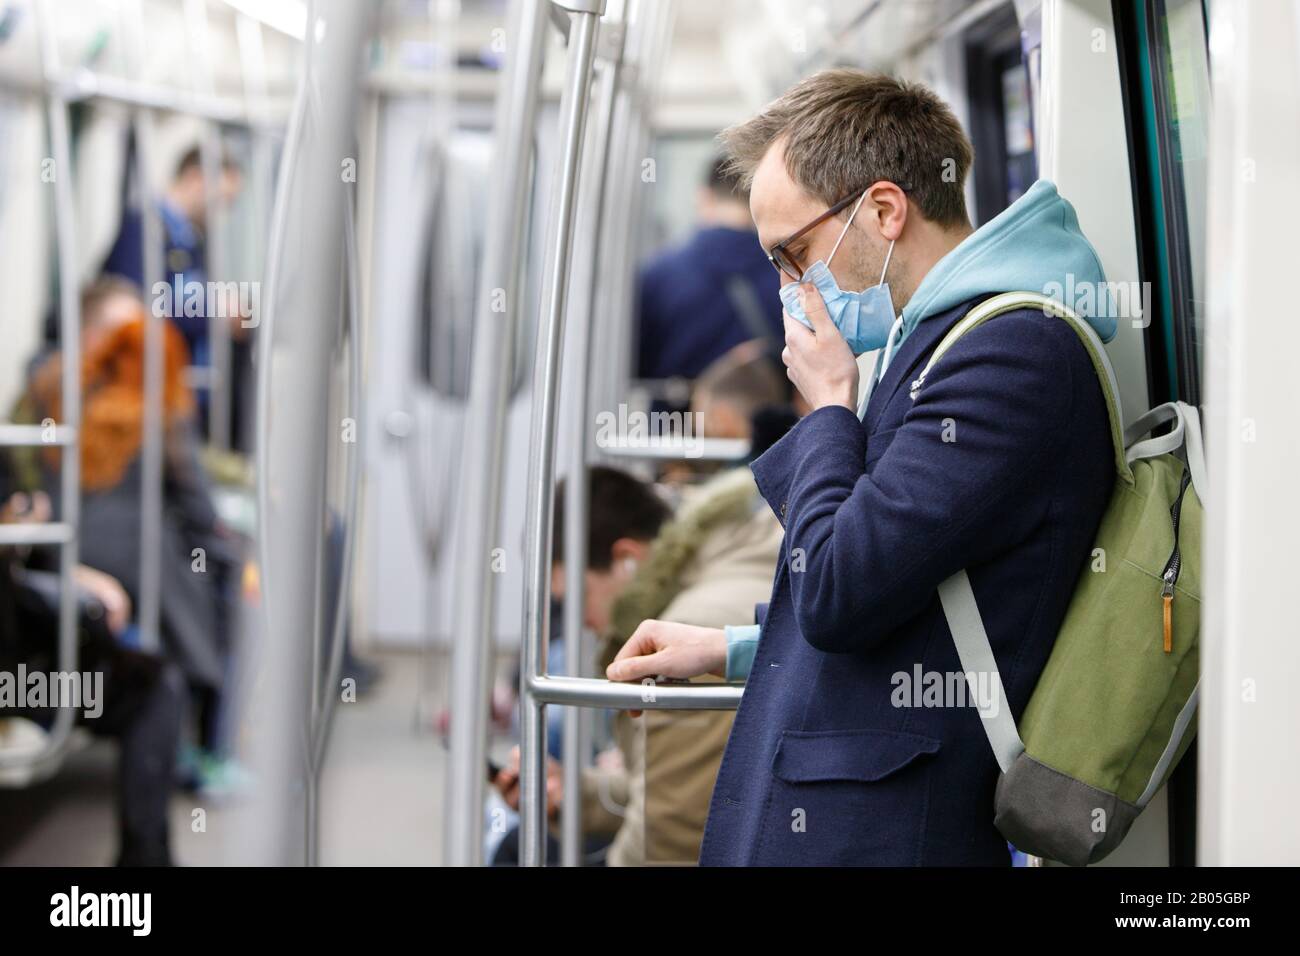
(889, 206)
(626, 549)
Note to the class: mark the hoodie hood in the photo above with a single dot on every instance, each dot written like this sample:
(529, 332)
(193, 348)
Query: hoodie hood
(1034, 245)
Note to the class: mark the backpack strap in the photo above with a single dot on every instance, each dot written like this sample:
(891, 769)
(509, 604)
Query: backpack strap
(976, 656)
(1186, 434)
(1013, 301)
(955, 593)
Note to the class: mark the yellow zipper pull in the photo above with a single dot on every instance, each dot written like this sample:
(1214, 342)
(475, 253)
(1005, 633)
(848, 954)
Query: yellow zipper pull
(1167, 594)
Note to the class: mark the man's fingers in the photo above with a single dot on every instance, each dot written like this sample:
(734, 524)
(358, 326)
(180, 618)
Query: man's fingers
(641, 642)
(635, 668)
(815, 309)
(797, 335)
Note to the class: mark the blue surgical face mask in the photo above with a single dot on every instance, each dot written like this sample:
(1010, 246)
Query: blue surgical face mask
(863, 318)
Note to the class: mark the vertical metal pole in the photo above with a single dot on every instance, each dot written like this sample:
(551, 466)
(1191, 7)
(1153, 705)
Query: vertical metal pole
(577, 720)
(152, 453)
(293, 451)
(480, 480)
(573, 112)
(70, 354)
(214, 238)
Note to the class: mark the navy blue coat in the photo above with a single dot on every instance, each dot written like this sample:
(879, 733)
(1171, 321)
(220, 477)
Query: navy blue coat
(1003, 466)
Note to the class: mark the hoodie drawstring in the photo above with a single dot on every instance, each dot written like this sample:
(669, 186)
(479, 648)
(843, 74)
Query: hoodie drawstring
(882, 363)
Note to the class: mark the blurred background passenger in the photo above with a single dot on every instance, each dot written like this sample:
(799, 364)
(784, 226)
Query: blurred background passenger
(199, 558)
(717, 290)
(183, 208)
(143, 695)
(714, 558)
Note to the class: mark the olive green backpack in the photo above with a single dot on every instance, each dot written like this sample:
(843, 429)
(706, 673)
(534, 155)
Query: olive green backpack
(1115, 707)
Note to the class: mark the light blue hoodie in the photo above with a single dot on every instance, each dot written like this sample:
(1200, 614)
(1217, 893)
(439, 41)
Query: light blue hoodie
(1034, 245)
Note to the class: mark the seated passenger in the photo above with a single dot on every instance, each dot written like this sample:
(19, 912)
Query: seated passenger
(1001, 465)
(742, 395)
(197, 554)
(143, 696)
(714, 559)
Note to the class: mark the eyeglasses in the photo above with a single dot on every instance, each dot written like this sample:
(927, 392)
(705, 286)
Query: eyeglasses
(779, 255)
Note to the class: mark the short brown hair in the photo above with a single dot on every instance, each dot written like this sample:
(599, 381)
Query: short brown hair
(846, 129)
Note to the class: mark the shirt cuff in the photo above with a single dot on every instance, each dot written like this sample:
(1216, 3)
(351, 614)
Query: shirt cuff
(742, 643)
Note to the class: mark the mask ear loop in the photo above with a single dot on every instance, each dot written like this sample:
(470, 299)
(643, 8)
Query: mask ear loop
(845, 231)
(888, 255)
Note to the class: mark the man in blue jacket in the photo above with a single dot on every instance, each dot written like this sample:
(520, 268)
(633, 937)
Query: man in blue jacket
(699, 300)
(1001, 465)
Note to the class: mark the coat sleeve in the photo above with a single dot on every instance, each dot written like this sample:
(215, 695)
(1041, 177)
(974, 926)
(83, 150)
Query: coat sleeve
(866, 552)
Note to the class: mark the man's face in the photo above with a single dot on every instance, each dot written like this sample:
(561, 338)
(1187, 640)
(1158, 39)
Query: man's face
(781, 208)
(602, 591)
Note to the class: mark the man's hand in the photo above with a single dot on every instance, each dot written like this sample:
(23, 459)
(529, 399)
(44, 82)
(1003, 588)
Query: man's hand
(507, 784)
(108, 592)
(665, 649)
(819, 361)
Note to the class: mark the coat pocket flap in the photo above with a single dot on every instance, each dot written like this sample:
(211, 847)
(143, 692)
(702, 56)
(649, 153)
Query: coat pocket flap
(808, 756)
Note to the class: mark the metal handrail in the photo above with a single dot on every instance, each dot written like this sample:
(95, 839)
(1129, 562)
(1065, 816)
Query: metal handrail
(35, 436)
(573, 114)
(49, 532)
(152, 456)
(211, 158)
(70, 357)
(291, 456)
(537, 688)
(352, 485)
(480, 481)
(577, 721)
(648, 695)
(678, 449)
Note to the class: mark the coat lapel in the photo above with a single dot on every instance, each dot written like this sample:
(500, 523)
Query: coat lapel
(906, 364)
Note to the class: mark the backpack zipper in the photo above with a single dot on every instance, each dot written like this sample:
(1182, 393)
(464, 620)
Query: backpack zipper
(1174, 565)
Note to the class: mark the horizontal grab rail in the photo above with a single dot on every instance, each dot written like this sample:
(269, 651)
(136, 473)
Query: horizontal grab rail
(31, 436)
(42, 533)
(655, 695)
(673, 449)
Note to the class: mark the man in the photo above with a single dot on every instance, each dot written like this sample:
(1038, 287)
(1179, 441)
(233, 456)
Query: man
(712, 293)
(1000, 465)
(184, 212)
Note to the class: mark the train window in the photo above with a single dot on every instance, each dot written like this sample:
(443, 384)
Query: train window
(1181, 87)
(1169, 105)
(1001, 113)
(454, 246)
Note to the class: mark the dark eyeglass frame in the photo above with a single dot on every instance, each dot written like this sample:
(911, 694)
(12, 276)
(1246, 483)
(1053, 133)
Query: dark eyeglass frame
(782, 261)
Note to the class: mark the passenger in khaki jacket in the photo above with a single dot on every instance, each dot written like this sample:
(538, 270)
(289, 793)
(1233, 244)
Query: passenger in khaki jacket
(706, 564)
(714, 561)
(709, 565)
